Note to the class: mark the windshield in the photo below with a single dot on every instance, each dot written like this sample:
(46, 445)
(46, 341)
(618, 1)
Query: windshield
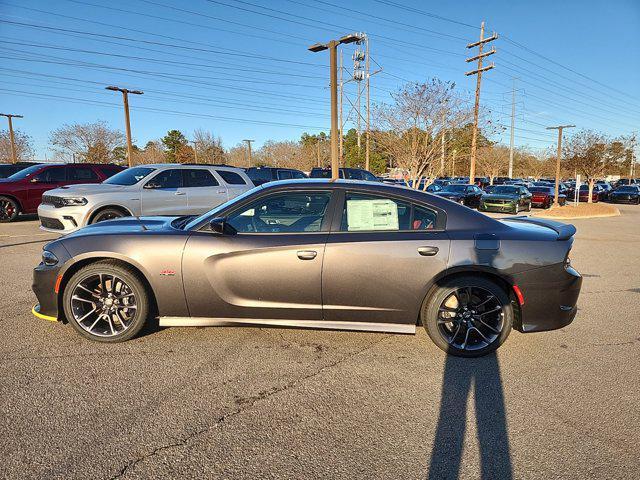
(542, 189)
(219, 208)
(22, 174)
(130, 176)
(320, 173)
(455, 188)
(627, 189)
(504, 190)
(259, 174)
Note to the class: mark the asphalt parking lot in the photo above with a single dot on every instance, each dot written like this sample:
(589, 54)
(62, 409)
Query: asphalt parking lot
(284, 403)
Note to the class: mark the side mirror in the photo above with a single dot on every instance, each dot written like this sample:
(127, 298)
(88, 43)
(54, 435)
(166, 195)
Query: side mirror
(220, 226)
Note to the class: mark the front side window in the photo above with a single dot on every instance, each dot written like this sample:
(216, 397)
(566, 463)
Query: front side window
(290, 212)
(166, 179)
(369, 176)
(198, 177)
(51, 175)
(284, 174)
(232, 178)
(366, 213)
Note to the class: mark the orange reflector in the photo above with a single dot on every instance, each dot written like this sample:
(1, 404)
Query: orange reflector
(519, 295)
(58, 281)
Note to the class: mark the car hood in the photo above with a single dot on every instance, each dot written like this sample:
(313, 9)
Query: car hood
(497, 196)
(127, 225)
(87, 189)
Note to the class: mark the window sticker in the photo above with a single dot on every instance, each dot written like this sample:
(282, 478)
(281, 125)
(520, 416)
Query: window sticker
(376, 214)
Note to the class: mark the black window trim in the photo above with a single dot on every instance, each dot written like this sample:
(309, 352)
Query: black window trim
(441, 216)
(324, 226)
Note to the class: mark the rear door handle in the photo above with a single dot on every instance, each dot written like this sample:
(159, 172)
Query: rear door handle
(222, 191)
(180, 193)
(428, 251)
(307, 254)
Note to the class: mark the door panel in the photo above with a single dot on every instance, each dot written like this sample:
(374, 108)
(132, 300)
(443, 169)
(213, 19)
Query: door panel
(380, 277)
(259, 276)
(47, 179)
(204, 190)
(164, 195)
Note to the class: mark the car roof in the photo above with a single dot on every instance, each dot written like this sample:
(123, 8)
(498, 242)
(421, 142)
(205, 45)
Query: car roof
(190, 165)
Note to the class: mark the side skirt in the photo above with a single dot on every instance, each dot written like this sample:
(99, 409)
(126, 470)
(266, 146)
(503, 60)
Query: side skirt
(320, 324)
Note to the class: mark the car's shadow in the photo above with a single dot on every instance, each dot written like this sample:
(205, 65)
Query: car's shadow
(462, 378)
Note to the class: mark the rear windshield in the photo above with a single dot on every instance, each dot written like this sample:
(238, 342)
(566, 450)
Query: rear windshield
(542, 189)
(130, 176)
(318, 173)
(627, 189)
(454, 188)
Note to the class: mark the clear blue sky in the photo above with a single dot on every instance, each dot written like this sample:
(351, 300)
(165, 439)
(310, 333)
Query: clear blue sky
(241, 69)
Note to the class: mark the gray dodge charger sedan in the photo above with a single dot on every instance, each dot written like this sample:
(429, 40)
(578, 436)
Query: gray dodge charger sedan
(317, 254)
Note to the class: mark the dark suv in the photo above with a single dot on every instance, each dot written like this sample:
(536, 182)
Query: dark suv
(348, 173)
(260, 175)
(22, 191)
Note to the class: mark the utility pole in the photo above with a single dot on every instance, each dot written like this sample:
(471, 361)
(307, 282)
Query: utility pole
(332, 46)
(513, 122)
(248, 142)
(195, 150)
(340, 130)
(10, 116)
(632, 160)
(558, 156)
(125, 99)
(442, 145)
(478, 72)
(368, 87)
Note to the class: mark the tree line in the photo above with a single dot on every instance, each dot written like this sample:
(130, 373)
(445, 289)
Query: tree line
(424, 130)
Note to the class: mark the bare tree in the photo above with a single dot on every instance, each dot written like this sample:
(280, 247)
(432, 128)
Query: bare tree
(587, 152)
(237, 156)
(24, 150)
(493, 161)
(287, 154)
(409, 130)
(209, 147)
(90, 142)
(152, 153)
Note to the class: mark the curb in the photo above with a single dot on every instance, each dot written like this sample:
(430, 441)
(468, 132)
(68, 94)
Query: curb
(603, 215)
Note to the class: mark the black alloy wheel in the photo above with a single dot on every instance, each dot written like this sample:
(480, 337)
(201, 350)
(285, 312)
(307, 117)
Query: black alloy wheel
(106, 301)
(9, 209)
(468, 317)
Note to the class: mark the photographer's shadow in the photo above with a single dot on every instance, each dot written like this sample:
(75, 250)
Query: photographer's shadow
(462, 376)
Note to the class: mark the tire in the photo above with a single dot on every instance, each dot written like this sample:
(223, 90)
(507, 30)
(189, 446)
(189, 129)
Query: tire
(9, 209)
(430, 315)
(129, 291)
(107, 214)
(516, 209)
(529, 207)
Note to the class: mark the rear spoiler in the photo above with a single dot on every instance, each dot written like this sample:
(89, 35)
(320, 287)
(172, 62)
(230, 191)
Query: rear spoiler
(564, 231)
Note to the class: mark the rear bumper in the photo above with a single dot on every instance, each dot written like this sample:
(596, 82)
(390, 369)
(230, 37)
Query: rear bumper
(550, 297)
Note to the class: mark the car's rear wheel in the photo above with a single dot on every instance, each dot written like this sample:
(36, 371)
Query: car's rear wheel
(107, 214)
(529, 207)
(468, 316)
(9, 209)
(106, 301)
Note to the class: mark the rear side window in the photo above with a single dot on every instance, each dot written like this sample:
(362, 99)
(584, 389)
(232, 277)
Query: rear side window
(166, 179)
(52, 175)
(297, 174)
(79, 174)
(232, 178)
(198, 177)
(259, 174)
(366, 213)
(284, 174)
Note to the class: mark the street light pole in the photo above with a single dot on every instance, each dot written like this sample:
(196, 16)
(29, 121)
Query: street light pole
(14, 156)
(249, 148)
(125, 99)
(332, 46)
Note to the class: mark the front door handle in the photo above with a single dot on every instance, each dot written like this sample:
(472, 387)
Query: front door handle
(307, 254)
(222, 191)
(180, 193)
(428, 251)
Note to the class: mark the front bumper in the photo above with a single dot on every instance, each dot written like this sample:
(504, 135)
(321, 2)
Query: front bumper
(623, 199)
(550, 297)
(61, 220)
(44, 284)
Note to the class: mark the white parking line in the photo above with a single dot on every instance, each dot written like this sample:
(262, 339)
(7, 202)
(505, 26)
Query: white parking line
(29, 235)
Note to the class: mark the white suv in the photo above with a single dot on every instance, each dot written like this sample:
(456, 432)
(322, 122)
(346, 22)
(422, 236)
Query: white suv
(163, 189)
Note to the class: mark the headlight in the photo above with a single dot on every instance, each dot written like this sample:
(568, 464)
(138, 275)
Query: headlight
(49, 258)
(73, 201)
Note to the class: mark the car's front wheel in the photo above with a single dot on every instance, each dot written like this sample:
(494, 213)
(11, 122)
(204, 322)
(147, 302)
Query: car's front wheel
(9, 209)
(516, 209)
(107, 214)
(468, 316)
(106, 301)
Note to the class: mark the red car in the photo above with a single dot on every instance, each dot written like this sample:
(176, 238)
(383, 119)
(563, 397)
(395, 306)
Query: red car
(22, 191)
(543, 196)
(583, 195)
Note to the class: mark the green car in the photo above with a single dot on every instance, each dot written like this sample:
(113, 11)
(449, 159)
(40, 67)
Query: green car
(507, 199)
